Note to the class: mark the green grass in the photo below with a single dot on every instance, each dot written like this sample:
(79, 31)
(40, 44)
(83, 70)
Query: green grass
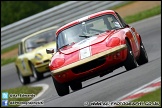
(142, 15)
(9, 48)
(153, 98)
(7, 61)
(21, 90)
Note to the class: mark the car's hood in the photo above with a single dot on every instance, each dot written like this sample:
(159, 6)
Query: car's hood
(87, 42)
(42, 49)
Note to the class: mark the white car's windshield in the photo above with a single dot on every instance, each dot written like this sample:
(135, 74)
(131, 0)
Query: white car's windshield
(86, 29)
(39, 40)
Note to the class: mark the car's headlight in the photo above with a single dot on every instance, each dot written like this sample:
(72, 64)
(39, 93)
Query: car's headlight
(114, 41)
(58, 62)
(38, 56)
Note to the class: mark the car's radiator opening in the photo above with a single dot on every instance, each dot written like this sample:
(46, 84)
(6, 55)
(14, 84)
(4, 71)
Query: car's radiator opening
(89, 65)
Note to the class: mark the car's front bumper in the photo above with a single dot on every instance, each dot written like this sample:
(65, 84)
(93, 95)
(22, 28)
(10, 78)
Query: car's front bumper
(42, 67)
(88, 59)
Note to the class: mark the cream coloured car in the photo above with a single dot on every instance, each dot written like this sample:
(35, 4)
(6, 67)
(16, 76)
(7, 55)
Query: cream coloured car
(32, 58)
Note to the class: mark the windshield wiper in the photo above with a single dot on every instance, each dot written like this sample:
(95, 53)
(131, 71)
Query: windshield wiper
(87, 36)
(84, 36)
(66, 45)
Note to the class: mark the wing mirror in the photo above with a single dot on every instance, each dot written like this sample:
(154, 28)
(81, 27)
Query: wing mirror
(50, 51)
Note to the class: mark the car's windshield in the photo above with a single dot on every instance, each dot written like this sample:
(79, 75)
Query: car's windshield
(39, 40)
(87, 29)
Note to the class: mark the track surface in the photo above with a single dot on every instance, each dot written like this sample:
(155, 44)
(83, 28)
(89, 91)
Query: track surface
(109, 87)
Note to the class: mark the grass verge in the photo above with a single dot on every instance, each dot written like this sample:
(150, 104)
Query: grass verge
(142, 15)
(7, 61)
(152, 99)
(9, 48)
(19, 91)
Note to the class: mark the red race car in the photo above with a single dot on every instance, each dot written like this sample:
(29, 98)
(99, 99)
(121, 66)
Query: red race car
(91, 46)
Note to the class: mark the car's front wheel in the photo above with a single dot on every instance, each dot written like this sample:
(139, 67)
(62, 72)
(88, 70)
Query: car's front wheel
(130, 62)
(143, 58)
(37, 75)
(76, 85)
(24, 80)
(62, 89)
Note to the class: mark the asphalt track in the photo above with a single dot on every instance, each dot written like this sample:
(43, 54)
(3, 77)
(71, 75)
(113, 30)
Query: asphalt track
(109, 87)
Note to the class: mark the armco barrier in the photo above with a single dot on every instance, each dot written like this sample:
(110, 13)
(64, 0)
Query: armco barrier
(59, 15)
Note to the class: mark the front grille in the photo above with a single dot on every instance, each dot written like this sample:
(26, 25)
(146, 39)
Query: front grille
(89, 65)
(46, 61)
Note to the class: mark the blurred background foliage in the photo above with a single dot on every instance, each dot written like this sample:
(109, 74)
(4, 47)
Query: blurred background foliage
(12, 11)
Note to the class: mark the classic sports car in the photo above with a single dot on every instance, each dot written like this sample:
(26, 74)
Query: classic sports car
(94, 45)
(32, 58)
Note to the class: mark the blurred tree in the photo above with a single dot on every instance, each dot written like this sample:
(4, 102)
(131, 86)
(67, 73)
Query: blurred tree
(12, 11)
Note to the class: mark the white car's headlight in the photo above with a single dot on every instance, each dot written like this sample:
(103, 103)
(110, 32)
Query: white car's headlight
(38, 56)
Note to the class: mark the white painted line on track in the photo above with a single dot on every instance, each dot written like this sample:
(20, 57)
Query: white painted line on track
(44, 86)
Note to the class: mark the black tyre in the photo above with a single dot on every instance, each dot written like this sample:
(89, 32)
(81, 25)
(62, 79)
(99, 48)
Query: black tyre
(76, 85)
(130, 62)
(62, 89)
(37, 75)
(143, 58)
(23, 80)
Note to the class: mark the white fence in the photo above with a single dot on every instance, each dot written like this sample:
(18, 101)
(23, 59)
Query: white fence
(59, 15)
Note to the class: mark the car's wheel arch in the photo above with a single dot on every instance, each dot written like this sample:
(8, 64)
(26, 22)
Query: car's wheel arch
(140, 37)
(130, 44)
(127, 39)
(18, 71)
(29, 65)
(16, 68)
(140, 41)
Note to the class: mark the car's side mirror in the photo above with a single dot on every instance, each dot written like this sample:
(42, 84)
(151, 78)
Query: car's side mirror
(50, 51)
